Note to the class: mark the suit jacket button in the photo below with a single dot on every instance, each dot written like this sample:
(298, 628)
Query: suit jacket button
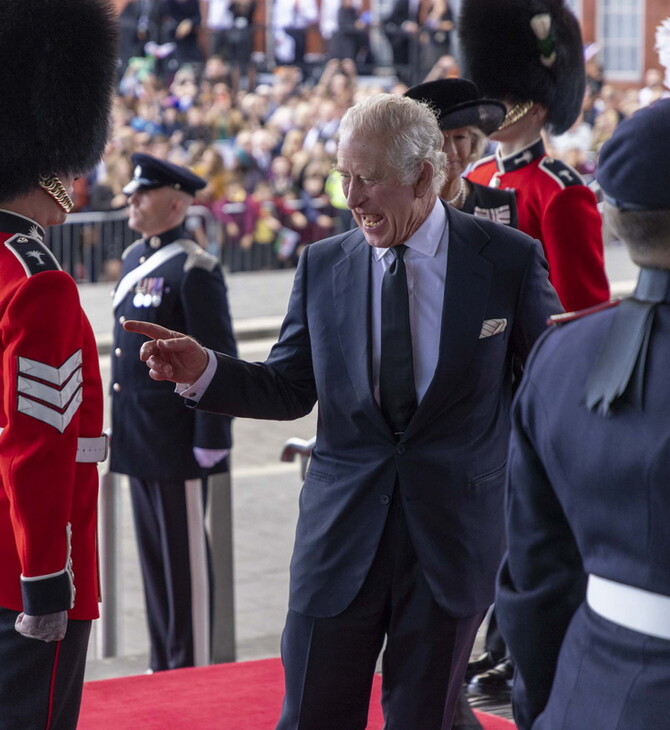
(384, 499)
(117, 351)
(400, 449)
(116, 387)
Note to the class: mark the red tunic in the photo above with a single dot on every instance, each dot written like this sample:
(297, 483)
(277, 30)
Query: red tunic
(51, 395)
(557, 208)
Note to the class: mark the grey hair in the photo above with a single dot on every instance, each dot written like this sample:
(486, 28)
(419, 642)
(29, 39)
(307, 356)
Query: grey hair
(643, 231)
(409, 129)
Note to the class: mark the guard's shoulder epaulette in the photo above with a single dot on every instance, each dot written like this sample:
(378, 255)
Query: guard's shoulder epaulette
(197, 257)
(563, 174)
(483, 161)
(565, 317)
(132, 246)
(33, 255)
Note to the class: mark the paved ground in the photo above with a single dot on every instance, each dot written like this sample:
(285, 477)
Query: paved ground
(265, 490)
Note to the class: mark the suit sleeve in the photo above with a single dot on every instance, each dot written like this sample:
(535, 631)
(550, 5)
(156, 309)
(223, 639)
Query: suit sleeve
(541, 582)
(205, 302)
(537, 302)
(572, 238)
(42, 358)
(283, 387)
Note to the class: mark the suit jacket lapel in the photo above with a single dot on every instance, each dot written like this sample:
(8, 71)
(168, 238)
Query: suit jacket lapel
(351, 285)
(469, 276)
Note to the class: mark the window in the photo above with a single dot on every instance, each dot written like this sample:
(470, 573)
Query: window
(576, 7)
(620, 31)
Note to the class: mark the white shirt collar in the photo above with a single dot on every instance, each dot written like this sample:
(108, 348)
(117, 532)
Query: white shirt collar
(427, 237)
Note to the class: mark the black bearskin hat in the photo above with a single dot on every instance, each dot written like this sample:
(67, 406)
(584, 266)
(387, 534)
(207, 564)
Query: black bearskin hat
(525, 50)
(57, 72)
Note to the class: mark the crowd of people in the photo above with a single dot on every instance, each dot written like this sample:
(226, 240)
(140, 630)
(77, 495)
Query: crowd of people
(267, 149)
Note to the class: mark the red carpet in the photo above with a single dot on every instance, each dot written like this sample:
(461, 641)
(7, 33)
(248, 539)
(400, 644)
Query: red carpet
(240, 696)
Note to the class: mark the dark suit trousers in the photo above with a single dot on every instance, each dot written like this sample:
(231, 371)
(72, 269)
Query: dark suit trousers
(41, 682)
(329, 663)
(174, 557)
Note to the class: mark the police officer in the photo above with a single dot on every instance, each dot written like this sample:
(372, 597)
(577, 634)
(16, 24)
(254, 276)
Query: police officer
(529, 55)
(168, 279)
(584, 595)
(53, 127)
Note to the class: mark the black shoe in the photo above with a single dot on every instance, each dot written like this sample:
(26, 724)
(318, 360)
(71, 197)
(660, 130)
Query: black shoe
(481, 664)
(497, 682)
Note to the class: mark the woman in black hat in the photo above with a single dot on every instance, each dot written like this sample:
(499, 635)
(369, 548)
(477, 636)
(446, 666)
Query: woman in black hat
(466, 120)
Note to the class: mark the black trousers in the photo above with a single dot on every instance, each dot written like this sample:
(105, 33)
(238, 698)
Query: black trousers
(329, 663)
(175, 562)
(40, 682)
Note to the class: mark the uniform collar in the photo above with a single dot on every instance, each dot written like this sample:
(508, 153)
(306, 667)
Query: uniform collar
(11, 222)
(520, 158)
(162, 239)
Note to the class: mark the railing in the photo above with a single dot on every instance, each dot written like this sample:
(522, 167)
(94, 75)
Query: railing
(89, 245)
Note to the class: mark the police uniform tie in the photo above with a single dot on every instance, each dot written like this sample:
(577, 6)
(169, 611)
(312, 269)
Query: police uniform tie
(397, 390)
(617, 376)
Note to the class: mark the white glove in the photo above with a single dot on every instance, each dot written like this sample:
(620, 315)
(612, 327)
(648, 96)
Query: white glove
(206, 458)
(47, 627)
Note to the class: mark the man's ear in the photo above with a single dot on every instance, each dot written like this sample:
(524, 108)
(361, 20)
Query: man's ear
(424, 183)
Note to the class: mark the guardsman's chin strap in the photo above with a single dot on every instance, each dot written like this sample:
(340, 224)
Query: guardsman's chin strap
(617, 377)
(53, 186)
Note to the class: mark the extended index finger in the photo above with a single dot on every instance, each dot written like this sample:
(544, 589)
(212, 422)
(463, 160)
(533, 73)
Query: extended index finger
(148, 329)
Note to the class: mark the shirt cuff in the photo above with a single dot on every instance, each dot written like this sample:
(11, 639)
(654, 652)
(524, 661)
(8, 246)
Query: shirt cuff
(195, 391)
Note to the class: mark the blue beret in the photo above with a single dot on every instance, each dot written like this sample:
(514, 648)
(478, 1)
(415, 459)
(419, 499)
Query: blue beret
(634, 161)
(150, 172)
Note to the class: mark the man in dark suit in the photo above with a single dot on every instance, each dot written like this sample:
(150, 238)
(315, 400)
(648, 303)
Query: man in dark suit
(168, 279)
(400, 527)
(584, 597)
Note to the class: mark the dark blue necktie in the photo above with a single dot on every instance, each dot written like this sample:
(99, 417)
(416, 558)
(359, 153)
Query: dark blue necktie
(397, 391)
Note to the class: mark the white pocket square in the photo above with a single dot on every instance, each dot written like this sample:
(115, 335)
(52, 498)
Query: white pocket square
(492, 327)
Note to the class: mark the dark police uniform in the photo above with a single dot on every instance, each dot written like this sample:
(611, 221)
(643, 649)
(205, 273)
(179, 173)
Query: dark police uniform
(171, 281)
(584, 594)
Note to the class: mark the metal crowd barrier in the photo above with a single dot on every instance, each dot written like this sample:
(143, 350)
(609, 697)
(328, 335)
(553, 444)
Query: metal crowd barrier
(89, 245)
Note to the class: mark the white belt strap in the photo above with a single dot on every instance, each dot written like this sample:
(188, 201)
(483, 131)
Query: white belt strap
(132, 277)
(633, 608)
(90, 450)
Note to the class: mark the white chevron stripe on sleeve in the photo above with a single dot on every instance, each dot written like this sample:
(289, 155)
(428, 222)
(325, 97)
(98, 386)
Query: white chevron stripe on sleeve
(58, 376)
(48, 414)
(49, 394)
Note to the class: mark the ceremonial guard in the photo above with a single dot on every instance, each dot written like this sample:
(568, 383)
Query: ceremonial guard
(584, 595)
(529, 55)
(169, 280)
(53, 127)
